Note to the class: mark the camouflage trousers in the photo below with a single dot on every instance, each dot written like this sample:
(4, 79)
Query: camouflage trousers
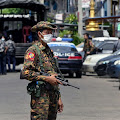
(44, 107)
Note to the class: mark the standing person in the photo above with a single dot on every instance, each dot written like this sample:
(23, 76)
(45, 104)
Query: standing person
(39, 57)
(3, 50)
(88, 45)
(116, 45)
(11, 53)
(5, 32)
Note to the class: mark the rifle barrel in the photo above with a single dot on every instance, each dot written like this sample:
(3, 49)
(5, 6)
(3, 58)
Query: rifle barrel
(66, 83)
(73, 86)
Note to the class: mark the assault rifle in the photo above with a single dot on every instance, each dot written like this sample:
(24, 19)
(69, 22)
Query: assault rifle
(63, 81)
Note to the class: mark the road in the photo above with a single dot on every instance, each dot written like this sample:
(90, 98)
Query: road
(97, 99)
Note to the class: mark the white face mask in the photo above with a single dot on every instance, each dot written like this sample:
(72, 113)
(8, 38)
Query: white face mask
(47, 38)
(3, 39)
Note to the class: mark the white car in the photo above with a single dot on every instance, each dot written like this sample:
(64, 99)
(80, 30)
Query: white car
(91, 60)
(100, 40)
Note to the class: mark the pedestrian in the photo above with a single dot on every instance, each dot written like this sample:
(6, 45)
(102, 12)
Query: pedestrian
(3, 50)
(39, 57)
(11, 53)
(88, 45)
(5, 32)
(116, 45)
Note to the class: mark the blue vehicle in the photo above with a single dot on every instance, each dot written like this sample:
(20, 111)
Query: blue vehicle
(113, 69)
(102, 64)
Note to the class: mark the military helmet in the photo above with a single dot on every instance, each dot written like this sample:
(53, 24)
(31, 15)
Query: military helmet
(42, 25)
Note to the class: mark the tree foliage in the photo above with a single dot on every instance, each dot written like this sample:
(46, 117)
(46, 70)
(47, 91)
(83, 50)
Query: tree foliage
(72, 19)
(13, 11)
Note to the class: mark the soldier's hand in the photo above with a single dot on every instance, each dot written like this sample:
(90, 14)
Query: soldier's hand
(88, 53)
(52, 80)
(60, 105)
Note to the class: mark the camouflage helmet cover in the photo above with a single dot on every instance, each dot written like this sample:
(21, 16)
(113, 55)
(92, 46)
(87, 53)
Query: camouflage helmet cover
(42, 25)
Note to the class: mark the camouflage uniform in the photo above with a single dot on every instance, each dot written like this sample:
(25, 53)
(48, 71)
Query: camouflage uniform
(88, 47)
(45, 106)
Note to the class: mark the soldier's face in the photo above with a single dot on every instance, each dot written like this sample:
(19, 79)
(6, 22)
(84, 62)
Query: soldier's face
(47, 31)
(45, 35)
(44, 32)
(85, 36)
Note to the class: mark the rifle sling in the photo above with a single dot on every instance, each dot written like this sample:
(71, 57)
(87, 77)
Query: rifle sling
(41, 62)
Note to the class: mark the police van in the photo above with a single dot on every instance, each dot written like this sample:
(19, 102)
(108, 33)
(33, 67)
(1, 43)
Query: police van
(69, 60)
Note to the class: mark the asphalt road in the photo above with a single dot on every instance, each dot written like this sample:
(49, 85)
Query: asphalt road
(97, 99)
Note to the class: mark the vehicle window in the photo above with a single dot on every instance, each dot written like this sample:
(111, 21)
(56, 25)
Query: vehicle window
(97, 43)
(117, 52)
(63, 49)
(108, 46)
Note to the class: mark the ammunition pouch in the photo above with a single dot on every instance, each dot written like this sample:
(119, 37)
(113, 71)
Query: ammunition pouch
(35, 89)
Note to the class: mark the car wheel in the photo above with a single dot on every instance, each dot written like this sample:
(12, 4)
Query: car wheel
(100, 74)
(71, 75)
(84, 73)
(79, 74)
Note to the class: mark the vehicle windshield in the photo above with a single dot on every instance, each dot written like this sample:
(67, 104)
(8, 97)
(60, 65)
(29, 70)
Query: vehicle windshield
(97, 43)
(80, 45)
(63, 49)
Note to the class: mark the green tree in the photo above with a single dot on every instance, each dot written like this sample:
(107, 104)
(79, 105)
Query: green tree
(72, 19)
(13, 11)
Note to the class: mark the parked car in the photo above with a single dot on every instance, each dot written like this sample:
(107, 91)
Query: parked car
(106, 47)
(100, 40)
(113, 69)
(80, 49)
(91, 60)
(70, 61)
(101, 66)
(103, 45)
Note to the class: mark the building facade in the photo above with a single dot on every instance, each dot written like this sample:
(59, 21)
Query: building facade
(62, 6)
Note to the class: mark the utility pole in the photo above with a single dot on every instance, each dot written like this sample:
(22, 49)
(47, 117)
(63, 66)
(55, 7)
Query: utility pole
(102, 12)
(80, 15)
(102, 9)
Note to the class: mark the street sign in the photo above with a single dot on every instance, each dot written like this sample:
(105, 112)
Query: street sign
(85, 3)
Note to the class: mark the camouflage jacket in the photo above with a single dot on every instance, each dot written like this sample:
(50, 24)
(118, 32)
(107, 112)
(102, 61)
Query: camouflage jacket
(31, 65)
(88, 46)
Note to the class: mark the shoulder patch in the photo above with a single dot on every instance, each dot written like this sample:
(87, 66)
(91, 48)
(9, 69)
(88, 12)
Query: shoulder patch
(31, 56)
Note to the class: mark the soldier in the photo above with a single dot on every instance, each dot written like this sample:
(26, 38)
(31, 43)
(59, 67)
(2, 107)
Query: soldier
(45, 106)
(88, 45)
